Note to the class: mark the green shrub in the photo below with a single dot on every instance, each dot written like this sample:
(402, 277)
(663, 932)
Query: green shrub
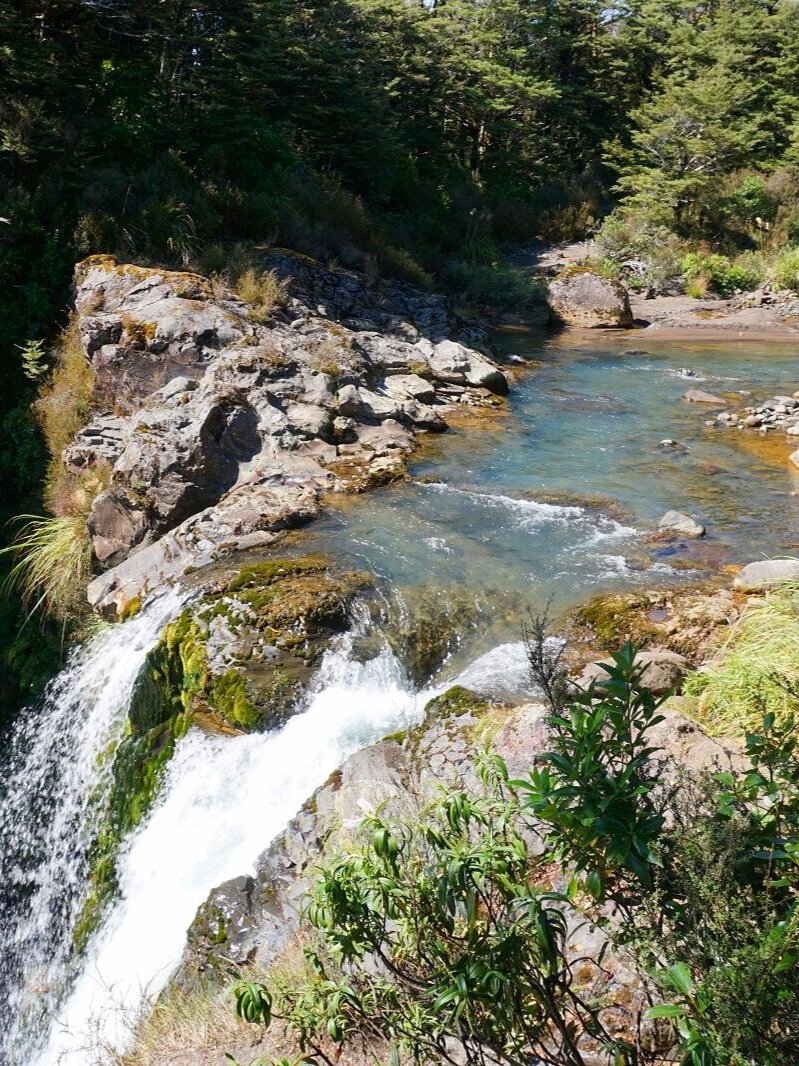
(443, 929)
(786, 269)
(719, 274)
(641, 250)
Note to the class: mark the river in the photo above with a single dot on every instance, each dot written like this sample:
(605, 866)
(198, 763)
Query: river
(548, 502)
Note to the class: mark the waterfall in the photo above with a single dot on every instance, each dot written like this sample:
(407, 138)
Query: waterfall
(51, 786)
(224, 799)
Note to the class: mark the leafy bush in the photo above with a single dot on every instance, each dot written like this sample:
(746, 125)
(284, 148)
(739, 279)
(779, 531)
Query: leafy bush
(786, 269)
(445, 928)
(642, 251)
(718, 273)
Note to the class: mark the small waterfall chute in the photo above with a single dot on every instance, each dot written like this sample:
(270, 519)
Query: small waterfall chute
(54, 772)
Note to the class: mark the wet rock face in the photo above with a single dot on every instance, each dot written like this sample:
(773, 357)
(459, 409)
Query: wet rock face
(585, 299)
(222, 431)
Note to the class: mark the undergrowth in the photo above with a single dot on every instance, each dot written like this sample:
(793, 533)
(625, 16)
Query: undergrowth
(54, 564)
(757, 671)
(53, 554)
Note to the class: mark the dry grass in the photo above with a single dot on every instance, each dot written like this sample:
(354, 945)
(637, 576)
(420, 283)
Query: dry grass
(185, 1027)
(757, 671)
(63, 406)
(264, 291)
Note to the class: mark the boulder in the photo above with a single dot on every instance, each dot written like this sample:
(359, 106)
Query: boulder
(794, 456)
(700, 396)
(589, 300)
(766, 574)
(452, 362)
(684, 524)
(663, 670)
(116, 525)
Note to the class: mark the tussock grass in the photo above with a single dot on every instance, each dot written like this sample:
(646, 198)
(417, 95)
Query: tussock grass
(54, 554)
(54, 563)
(786, 269)
(756, 672)
(264, 291)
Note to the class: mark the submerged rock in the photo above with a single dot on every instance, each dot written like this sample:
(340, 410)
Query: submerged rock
(580, 297)
(700, 396)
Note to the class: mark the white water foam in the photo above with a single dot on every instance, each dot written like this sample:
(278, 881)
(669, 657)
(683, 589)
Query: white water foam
(224, 800)
(593, 528)
(53, 775)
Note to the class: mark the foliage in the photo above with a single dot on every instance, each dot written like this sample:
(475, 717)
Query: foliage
(641, 252)
(446, 927)
(53, 564)
(718, 273)
(786, 269)
(757, 671)
(467, 945)
(33, 358)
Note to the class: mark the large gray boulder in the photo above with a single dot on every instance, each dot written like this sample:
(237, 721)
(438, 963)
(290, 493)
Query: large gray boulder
(663, 670)
(766, 574)
(226, 429)
(586, 299)
(453, 362)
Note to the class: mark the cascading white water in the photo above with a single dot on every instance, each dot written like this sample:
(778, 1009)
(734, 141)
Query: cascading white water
(224, 800)
(53, 776)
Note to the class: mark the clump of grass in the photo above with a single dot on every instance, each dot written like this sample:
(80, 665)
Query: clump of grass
(198, 1023)
(54, 554)
(757, 671)
(54, 563)
(63, 405)
(263, 291)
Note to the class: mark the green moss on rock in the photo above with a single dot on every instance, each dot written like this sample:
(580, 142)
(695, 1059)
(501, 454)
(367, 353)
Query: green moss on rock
(455, 702)
(615, 619)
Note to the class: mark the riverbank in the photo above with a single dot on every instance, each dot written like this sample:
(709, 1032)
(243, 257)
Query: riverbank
(765, 315)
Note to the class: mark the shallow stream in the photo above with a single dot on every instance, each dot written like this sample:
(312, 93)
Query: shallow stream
(550, 500)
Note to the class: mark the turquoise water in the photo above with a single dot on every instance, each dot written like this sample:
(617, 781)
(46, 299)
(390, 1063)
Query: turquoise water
(507, 518)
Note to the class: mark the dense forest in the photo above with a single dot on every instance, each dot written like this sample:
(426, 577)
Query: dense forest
(408, 139)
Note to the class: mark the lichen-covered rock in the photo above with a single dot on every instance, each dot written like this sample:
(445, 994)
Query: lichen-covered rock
(583, 298)
(226, 429)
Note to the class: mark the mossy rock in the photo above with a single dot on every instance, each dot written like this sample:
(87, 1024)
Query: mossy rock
(456, 702)
(617, 618)
(428, 627)
(294, 604)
